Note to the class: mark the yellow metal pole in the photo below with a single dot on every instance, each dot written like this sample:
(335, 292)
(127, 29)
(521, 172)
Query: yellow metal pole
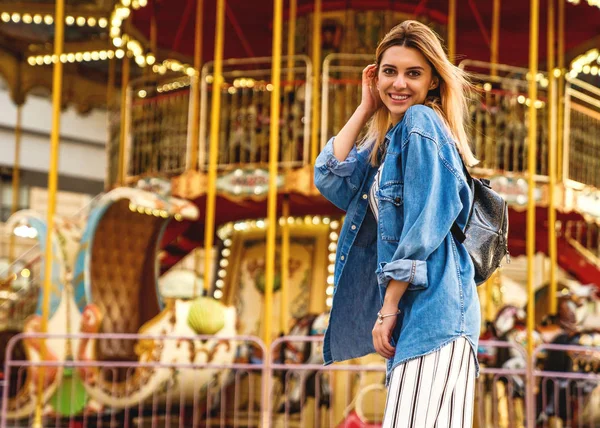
(16, 180)
(193, 159)
(489, 301)
(285, 258)
(52, 188)
(291, 43)
(316, 60)
(489, 285)
(561, 91)
(110, 91)
(211, 191)
(288, 145)
(552, 159)
(531, 164)
(495, 36)
(451, 30)
(124, 107)
(273, 158)
(16, 175)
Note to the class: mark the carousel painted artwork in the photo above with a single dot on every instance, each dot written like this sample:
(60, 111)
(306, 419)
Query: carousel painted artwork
(242, 272)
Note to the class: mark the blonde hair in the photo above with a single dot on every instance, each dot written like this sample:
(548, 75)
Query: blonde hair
(448, 99)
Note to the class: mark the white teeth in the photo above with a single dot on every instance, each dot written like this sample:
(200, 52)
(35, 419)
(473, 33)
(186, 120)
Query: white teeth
(399, 97)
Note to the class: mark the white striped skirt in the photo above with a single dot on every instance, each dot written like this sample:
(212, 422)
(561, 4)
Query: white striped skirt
(433, 391)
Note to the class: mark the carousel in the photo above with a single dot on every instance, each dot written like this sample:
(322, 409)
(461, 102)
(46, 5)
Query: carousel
(211, 225)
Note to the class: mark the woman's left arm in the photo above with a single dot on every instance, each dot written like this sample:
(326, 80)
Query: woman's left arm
(431, 205)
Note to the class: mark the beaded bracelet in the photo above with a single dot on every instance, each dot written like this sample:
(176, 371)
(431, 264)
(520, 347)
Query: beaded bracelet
(381, 316)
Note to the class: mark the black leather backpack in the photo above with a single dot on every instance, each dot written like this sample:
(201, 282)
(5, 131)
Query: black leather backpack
(486, 233)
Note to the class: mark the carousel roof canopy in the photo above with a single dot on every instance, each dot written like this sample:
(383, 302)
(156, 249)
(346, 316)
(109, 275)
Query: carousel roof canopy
(95, 28)
(249, 24)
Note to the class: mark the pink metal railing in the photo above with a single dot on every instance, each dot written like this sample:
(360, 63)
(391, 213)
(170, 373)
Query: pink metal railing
(262, 389)
(570, 399)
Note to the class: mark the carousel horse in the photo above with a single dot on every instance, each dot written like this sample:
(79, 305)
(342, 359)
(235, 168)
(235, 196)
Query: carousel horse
(562, 396)
(117, 292)
(589, 362)
(22, 310)
(305, 382)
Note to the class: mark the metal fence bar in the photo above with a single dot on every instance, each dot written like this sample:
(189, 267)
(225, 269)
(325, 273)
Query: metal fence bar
(570, 399)
(278, 392)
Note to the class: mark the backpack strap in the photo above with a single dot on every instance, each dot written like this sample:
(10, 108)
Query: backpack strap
(457, 232)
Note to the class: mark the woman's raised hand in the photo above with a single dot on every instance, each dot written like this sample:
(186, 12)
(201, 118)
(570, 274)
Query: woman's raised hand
(371, 100)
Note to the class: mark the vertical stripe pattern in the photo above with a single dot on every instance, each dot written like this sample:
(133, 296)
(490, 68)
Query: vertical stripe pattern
(433, 391)
(373, 201)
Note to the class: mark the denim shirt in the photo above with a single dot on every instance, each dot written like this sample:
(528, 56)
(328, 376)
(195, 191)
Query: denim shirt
(423, 190)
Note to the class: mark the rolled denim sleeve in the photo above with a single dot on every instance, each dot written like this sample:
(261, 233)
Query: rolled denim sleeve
(431, 205)
(338, 181)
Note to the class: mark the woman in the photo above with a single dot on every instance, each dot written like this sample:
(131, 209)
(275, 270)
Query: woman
(404, 287)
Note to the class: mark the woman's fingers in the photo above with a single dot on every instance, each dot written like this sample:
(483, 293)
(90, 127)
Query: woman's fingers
(381, 342)
(369, 72)
(386, 349)
(369, 68)
(381, 350)
(387, 346)
(377, 342)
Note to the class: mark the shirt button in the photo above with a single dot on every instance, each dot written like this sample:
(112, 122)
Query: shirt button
(342, 258)
(353, 227)
(365, 196)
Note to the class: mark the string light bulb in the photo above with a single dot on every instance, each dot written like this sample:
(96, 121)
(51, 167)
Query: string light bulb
(70, 57)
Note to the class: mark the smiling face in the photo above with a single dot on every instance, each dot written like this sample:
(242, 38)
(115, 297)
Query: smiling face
(405, 78)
